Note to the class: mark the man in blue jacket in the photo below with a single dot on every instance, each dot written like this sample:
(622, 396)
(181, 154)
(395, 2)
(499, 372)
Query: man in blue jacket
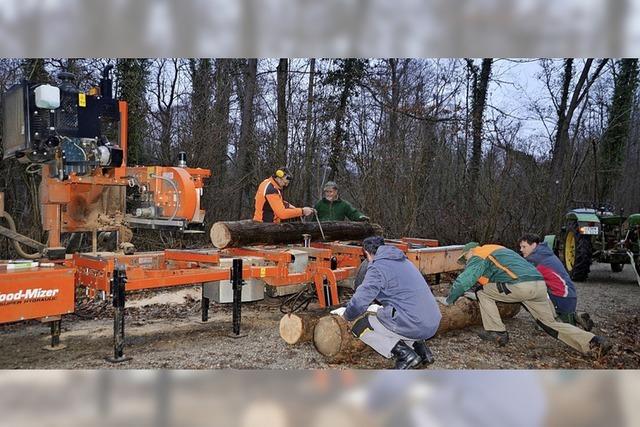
(409, 313)
(560, 288)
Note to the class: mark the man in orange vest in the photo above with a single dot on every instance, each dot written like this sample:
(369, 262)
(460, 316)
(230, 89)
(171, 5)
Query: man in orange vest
(270, 206)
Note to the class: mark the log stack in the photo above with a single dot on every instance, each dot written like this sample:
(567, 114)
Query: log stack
(298, 327)
(228, 234)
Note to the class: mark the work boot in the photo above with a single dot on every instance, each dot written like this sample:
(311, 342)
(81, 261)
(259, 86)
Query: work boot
(569, 318)
(424, 352)
(599, 346)
(500, 338)
(405, 357)
(584, 321)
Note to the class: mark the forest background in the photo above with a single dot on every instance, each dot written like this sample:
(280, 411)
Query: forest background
(454, 149)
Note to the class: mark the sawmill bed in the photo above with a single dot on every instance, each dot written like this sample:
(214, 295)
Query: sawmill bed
(164, 330)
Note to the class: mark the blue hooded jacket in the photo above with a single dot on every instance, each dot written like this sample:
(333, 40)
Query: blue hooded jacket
(408, 306)
(561, 289)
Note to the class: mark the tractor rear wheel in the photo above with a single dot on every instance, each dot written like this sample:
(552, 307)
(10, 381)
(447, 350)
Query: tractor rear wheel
(616, 267)
(577, 254)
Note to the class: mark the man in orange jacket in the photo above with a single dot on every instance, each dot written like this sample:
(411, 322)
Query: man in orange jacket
(270, 206)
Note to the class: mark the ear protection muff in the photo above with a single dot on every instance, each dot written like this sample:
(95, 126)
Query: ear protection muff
(282, 173)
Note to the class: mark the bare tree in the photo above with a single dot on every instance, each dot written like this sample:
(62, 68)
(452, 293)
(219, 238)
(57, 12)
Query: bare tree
(345, 78)
(478, 103)
(309, 140)
(244, 163)
(615, 137)
(132, 78)
(282, 140)
(165, 94)
(560, 187)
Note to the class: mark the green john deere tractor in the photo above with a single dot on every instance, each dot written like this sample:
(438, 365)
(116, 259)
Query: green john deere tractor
(597, 235)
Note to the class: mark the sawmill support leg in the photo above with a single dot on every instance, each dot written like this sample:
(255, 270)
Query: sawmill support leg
(56, 326)
(118, 289)
(55, 332)
(205, 306)
(237, 282)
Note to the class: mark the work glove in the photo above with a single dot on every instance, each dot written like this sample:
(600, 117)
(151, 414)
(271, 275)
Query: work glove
(374, 308)
(442, 300)
(339, 311)
(471, 295)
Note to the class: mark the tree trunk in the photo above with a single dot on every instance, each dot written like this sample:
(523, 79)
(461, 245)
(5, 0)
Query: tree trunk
(333, 339)
(477, 112)
(282, 141)
(562, 133)
(618, 129)
(245, 144)
(298, 327)
(336, 156)
(132, 78)
(226, 234)
(346, 77)
(199, 152)
(309, 146)
(214, 198)
(560, 188)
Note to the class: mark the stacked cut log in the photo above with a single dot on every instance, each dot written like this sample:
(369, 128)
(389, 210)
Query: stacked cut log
(227, 234)
(333, 339)
(298, 327)
(332, 335)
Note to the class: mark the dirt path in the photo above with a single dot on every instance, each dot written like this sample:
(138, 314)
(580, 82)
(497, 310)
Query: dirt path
(164, 331)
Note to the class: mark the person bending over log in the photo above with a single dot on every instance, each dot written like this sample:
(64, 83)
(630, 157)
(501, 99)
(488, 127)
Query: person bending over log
(561, 290)
(507, 277)
(409, 313)
(270, 206)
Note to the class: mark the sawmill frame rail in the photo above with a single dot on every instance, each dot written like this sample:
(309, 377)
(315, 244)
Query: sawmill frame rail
(110, 275)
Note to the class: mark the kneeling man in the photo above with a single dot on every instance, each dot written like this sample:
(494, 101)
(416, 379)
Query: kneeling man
(409, 313)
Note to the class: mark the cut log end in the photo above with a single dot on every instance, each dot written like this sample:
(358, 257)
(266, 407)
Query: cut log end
(327, 337)
(291, 328)
(220, 235)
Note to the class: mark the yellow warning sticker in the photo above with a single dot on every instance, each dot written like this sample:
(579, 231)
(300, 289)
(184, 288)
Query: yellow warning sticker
(82, 100)
(263, 272)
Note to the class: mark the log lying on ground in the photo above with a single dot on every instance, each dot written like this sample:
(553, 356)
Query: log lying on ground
(227, 234)
(333, 339)
(297, 328)
(466, 313)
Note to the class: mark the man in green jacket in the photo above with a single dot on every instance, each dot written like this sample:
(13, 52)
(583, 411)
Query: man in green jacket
(505, 276)
(333, 208)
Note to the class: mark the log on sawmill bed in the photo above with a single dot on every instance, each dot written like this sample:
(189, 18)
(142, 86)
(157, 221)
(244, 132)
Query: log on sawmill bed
(226, 234)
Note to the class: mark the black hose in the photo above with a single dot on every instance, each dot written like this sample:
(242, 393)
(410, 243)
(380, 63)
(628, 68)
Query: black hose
(16, 244)
(291, 304)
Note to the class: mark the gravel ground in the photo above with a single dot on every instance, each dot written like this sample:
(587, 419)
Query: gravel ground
(171, 335)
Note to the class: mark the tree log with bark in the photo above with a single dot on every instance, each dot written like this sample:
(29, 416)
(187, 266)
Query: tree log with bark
(333, 339)
(226, 234)
(297, 328)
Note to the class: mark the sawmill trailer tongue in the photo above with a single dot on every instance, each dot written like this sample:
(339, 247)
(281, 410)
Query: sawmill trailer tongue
(77, 143)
